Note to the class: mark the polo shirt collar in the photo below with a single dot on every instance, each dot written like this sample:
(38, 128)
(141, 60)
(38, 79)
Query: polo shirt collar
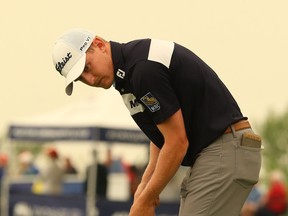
(118, 63)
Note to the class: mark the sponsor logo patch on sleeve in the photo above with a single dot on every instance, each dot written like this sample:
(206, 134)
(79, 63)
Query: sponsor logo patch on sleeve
(151, 102)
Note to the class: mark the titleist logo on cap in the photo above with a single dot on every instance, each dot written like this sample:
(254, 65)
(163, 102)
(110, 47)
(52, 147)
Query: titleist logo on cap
(61, 64)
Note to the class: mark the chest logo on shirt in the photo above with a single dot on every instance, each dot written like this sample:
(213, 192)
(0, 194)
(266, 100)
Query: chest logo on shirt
(151, 102)
(120, 73)
(131, 103)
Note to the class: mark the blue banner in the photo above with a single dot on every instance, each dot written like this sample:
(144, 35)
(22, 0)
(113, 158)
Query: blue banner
(42, 205)
(44, 133)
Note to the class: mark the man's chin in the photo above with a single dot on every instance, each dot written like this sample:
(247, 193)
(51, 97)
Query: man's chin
(107, 86)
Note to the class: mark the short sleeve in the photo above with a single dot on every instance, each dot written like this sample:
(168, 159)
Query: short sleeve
(151, 84)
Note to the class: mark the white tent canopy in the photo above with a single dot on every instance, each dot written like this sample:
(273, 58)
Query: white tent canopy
(99, 117)
(103, 108)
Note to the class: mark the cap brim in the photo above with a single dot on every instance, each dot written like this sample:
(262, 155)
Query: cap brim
(74, 73)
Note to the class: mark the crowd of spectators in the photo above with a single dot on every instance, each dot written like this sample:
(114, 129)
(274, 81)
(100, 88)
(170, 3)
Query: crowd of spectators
(266, 198)
(49, 173)
(272, 201)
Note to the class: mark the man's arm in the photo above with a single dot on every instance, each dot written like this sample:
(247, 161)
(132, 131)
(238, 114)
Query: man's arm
(154, 153)
(168, 161)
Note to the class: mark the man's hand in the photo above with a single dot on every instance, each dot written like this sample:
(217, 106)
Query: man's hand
(143, 209)
(139, 190)
(138, 208)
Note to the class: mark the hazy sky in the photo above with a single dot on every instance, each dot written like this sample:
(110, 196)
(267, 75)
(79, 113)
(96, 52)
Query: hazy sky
(244, 41)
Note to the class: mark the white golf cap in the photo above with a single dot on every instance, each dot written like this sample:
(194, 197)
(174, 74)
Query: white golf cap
(69, 55)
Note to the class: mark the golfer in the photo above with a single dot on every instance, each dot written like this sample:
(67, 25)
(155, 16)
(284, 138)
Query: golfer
(186, 111)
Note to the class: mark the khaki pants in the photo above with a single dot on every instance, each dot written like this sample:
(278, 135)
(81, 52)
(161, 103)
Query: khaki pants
(221, 178)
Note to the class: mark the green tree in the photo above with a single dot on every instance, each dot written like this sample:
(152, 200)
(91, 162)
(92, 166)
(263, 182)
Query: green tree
(274, 132)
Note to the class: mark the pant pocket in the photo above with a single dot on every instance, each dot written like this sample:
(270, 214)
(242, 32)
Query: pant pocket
(247, 165)
(183, 194)
(183, 191)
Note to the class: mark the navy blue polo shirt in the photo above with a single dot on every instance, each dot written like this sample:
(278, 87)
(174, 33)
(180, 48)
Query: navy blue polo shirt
(157, 78)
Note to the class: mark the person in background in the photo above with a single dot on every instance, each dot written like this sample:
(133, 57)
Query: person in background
(51, 175)
(68, 166)
(101, 174)
(252, 203)
(26, 163)
(3, 165)
(274, 202)
(134, 176)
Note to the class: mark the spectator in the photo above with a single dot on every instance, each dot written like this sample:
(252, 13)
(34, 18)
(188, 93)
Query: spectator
(69, 167)
(51, 174)
(26, 163)
(253, 201)
(101, 176)
(275, 200)
(3, 164)
(134, 175)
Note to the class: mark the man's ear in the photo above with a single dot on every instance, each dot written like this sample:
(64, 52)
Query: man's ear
(99, 42)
